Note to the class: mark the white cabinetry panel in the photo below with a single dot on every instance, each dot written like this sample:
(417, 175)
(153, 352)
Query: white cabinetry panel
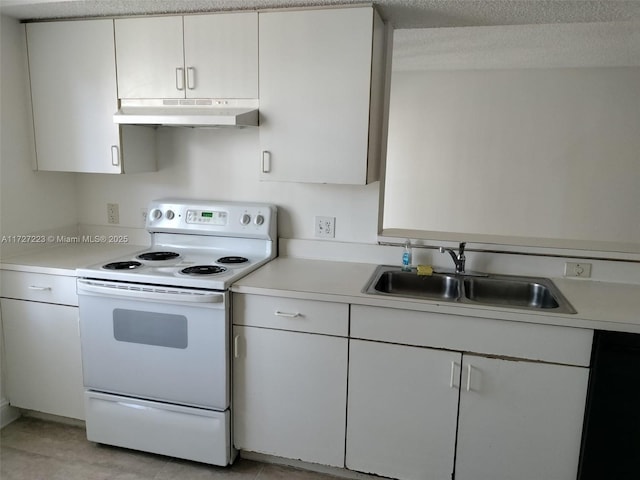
(290, 392)
(44, 367)
(195, 56)
(39, 287)
(316, 89)
(149, 57)
(221, 55)
(402, 410)
(519, 420)
(73, 89)
(546, 343)
(294, 314)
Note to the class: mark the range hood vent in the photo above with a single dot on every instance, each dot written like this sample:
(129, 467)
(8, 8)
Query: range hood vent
(189, 112)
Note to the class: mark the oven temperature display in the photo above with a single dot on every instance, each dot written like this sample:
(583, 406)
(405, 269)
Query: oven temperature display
(208, 217)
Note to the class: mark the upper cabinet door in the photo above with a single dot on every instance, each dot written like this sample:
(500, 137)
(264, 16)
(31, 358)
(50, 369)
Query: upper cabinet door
(320, 84)
(221, 55)
(150, 58)
(73, 89)
(197, 56)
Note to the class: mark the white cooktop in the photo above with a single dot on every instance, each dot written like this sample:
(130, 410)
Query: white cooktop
(208, 244)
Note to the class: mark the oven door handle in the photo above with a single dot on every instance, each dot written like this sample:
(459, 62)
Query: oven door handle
(148, 293)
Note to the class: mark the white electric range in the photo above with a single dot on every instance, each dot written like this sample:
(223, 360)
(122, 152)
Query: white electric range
(155, 329)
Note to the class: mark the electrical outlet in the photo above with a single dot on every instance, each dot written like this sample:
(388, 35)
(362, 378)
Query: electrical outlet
(325, 227)
(573, 269)
(143, 216)
(113, 213)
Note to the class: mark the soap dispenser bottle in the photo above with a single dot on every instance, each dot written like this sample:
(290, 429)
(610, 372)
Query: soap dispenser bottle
(406, 257)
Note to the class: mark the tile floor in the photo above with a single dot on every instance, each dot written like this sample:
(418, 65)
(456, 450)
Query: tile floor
(34, 449)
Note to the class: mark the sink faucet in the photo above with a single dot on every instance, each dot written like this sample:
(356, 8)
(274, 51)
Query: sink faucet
(458, 258)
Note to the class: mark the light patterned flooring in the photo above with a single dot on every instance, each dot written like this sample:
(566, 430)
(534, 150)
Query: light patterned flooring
(34, 449)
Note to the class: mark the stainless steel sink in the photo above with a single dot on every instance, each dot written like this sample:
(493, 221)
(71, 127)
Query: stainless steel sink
(530, 293)
(520, 292)
(410, 284)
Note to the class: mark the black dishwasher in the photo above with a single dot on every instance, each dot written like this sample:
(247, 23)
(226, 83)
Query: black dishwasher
(611, 435)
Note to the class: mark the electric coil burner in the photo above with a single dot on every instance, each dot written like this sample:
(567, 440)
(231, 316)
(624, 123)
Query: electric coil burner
(125, 265)
(156, 330)
(233, 259)
(203, 270)
(157, 256)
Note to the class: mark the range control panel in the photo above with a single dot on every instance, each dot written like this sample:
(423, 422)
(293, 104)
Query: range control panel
(209, 217)
(205, 217)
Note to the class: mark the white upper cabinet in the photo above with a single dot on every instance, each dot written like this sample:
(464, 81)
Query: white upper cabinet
(150, 58)
(73, 89)
(321, 92)
(198, 56)
(221, 55)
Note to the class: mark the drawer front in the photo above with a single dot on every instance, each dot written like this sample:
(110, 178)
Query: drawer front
(191, 433)
(547, 343)
(308, 316)
(39, 287)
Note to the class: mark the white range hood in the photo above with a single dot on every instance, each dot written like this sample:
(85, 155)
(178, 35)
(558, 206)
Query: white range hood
(188, 112)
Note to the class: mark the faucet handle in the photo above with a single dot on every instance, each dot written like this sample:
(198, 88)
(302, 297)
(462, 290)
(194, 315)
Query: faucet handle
(461, 247)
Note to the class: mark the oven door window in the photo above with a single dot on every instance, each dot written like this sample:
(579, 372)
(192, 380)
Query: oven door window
(150, 328)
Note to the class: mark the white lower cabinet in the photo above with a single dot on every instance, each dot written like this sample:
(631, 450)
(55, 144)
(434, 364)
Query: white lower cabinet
(417, 412)
(289, 387)
(519, 420)
(403, 404)
(43, 361)
(418, 405)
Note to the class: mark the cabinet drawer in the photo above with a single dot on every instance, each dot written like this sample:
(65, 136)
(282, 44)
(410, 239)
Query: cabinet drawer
(547, 343)
(291, 314)
(39, 287)
(159, 427)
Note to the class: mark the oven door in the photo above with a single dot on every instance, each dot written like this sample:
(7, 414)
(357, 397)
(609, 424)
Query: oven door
(158, 343)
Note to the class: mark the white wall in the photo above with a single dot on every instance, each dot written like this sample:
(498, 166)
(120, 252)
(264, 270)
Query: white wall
(547, 153)
(29, 201)
(222, 164)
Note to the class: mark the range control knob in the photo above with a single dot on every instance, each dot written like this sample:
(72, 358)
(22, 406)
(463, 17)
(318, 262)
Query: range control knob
(156, 214)
(259, 220)
(170, 214)
(245, 219)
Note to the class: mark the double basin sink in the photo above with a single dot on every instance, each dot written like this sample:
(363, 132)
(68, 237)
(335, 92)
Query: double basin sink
(531, 293)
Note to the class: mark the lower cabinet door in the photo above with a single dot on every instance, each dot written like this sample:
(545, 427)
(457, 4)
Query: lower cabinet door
(289, 394)
(43, 361)
(519, 420)
(402, 410)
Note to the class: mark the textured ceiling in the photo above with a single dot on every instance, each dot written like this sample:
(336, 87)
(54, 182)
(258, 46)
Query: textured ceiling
(400, 13)
(567, 45)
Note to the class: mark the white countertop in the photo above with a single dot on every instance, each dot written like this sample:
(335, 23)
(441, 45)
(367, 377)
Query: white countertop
(64, 259)
(600, 305)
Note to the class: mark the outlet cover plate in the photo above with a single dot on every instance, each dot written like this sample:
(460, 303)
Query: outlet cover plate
(577, 269)
(325, 227)
(113, 213)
